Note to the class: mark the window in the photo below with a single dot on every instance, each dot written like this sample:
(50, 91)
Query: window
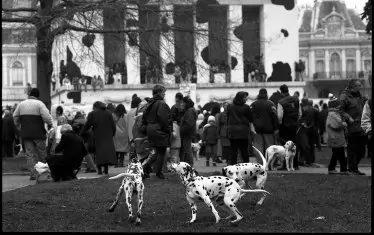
(351, 69)
(17, 73)
(320, 69)
(335, 65)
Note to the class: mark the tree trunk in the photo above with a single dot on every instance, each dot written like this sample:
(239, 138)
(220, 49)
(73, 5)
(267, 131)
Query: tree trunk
(44, 54)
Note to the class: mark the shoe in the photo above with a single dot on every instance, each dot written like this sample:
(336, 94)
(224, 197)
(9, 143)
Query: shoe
(297, 168)
(360, 172)
(89, 170)
(344, 173)
(160, 176)
(333, 172)
(214, 164)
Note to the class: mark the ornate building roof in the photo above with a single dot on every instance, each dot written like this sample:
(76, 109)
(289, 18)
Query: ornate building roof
(315, 18)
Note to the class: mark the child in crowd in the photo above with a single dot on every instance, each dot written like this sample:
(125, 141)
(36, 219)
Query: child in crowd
(210, 139)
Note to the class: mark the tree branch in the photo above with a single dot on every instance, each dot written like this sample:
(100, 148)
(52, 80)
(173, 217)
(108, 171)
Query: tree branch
(19, 9)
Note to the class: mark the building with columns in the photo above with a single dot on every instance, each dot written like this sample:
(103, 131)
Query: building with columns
(334, 46)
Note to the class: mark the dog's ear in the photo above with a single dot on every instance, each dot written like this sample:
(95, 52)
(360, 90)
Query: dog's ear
(224, 171)
(196, 173)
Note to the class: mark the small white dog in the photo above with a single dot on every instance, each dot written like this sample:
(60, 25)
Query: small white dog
(195, 150)
(288, 152)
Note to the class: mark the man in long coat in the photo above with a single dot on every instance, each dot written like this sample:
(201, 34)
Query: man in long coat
(104, 129)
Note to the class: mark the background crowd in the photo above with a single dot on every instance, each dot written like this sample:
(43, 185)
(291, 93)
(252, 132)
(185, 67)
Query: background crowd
(221, 132)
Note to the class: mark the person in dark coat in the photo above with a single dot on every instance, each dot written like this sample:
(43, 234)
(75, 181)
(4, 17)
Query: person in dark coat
(239, 121)
(322, 117)
(104, 129)
(157, 119)
(265, 121)
(66, 166)
(177, 111)
(8, 133)
(222, 133)
(187, 130)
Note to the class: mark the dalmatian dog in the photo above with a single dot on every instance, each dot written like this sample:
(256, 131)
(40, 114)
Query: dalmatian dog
(223, 190)
(287, 151)
(132, 184)
(243, 173)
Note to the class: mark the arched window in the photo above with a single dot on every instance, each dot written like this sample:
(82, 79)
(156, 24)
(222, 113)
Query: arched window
(335, 65)
(17, 73)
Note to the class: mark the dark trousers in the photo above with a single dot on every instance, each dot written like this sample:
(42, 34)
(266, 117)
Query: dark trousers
(312, 139)
(8, 148)
(53, 86)
(120, 158)
(242, 145)
(185, 154)
(355, 151)
(287, 133)
(157, 159)
(338, 154)
(226, 152)
(105, 166)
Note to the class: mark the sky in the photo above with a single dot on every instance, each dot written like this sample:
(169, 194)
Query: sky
(350, 3)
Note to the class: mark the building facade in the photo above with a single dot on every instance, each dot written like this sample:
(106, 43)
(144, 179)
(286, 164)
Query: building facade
(334, 46)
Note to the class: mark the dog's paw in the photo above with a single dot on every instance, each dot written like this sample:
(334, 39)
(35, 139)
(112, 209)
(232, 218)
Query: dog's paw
(292, 169)
(191, 222)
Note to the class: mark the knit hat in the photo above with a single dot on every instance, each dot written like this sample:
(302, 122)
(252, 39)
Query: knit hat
(200, 116)
(333, 101)
(263, 91)
(34, 92)
(211, 118)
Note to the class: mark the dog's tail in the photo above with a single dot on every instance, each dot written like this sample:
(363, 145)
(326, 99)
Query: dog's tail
(122, 175)
(254, 191)
(262, 156)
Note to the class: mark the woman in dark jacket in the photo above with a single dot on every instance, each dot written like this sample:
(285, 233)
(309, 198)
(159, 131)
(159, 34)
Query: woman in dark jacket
(73, 150)
(187, 130)
(222, 133)
(322, 121)
(239, 119)
(104, 129)
(157, 119)
(8, 133)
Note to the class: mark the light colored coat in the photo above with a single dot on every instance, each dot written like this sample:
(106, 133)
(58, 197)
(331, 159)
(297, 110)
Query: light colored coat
(366, 118)
(121, 139)
(175, 137)
(335, 126)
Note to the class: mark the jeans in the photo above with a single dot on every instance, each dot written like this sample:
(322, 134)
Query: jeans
(355, 151)
(338, 154)
(35, 152)
(185, 154)
(242, 145)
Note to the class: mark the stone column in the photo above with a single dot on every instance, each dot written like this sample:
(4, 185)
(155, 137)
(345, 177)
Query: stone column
(167, 48)
(235, 45)
(5, 71)
(327, 63)
(201, 41)
(344, 63)
(358, 60)
(132, 52)
(312, 64)
(29, 70)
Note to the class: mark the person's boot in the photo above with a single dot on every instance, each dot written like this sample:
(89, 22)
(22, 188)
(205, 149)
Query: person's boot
(106, 169)
(99, 170)
(207, 163)
(121, 160)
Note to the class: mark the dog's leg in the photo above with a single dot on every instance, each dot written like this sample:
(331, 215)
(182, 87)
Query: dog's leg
(288, 163)
(120, 191)
(230, 204)
(193, 209)
(221, 203)
(140, 204)
(209, 203)
(291, 162)
(128, 202)
(260, 184)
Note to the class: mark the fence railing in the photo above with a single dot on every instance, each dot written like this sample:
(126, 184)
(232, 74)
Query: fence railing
(339, 75)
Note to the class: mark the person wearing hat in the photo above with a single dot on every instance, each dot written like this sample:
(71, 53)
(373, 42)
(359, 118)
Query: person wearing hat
(210, 139)
(265, 121)
(336, 126)
(352, 103)
(30, 116)
(65, 166)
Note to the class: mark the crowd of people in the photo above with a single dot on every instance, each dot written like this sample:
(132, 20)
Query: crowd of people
(225, 132)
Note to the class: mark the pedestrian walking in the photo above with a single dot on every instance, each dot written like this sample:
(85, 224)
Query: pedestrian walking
(188, 131)
(177, 111)
(157, 120)
(121, 139)
(130, 117)
(104, 129)
(322, 117)
(30, 117)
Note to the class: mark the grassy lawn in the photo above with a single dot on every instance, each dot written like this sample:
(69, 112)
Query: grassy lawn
(296, 200)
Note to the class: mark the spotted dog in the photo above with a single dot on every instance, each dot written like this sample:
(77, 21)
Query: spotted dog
(132, 184)
(243, 173)
(223, 190)
(288, 152)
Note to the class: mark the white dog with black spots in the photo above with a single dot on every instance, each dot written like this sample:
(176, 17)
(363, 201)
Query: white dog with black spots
(225, 191)
(132, 184)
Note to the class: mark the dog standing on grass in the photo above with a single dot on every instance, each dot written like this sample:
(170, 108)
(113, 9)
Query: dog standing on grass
(132, 184)
(287, 151)
(225, 191)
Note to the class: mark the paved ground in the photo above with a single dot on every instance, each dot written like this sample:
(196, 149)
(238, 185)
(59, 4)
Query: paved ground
(11, 182)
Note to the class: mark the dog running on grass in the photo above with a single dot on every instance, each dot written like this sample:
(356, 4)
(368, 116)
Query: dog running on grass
(225, 191)
(132, 184)
(243, 173)
(287, 151)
